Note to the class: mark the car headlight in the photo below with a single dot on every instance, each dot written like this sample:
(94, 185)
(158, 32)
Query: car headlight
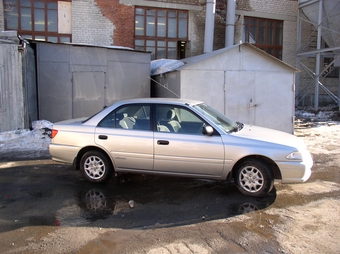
(294, 156)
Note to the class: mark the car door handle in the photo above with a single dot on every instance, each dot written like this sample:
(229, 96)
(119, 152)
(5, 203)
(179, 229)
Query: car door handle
(163, 142)
(102, 137)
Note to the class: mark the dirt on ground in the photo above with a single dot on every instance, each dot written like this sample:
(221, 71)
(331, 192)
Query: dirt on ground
(305, 218)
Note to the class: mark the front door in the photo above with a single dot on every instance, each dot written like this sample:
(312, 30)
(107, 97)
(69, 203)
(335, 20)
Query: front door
(180, 146)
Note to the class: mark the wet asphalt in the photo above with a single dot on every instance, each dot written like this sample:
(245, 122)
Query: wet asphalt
(42, 192)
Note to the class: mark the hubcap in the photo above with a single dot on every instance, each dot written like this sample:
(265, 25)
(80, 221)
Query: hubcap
(95, 200)
(251, 179)
(94, 167)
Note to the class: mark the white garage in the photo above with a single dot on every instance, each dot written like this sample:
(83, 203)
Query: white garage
(242, 81)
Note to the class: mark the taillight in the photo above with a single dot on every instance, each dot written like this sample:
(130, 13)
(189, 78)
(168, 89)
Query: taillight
(54, 133)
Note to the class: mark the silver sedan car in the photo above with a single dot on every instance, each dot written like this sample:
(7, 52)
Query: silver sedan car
(176, 137)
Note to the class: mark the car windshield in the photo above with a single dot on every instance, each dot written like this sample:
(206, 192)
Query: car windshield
(223, 122)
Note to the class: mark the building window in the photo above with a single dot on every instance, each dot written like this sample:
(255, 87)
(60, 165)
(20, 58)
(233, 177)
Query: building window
(39, 19)
(163, 32)
(265, 34)
(330, 70)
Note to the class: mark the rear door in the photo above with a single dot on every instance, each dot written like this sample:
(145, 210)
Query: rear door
(187, 150)
(125, 133)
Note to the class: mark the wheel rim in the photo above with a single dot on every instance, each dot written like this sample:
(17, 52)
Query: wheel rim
(251, 179)
(95, 200)
(94, 167)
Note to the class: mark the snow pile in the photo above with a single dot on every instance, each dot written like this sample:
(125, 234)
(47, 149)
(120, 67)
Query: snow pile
(21, 140)
(320, 116)
(161, 66)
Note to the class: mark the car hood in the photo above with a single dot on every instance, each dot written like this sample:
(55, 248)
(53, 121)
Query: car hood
(270, 136)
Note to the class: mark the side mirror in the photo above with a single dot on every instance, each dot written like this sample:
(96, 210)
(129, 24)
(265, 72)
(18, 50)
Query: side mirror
(207, 130)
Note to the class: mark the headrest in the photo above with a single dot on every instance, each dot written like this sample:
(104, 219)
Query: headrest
(171, 114)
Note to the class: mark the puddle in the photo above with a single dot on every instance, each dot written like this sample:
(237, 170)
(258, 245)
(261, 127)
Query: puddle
(163, 203)
(157, 201)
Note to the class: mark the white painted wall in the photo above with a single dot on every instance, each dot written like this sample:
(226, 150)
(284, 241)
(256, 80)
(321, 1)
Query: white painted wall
(64, 17)
(204, 85)
(243, 83)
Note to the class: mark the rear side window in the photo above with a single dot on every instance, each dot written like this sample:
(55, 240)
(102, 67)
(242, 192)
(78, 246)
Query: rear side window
(129, 117)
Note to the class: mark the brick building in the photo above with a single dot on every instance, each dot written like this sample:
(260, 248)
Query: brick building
(171, 29)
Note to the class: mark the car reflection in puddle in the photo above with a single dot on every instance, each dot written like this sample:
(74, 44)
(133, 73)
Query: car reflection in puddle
(158, 202)
(127, 201)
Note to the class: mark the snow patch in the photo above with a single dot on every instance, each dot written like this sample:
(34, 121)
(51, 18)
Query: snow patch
(21, 140)
(161, 66)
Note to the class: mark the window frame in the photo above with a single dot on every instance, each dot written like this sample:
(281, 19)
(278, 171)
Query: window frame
(161, 46)
(115, 120)
(177, 108)
(34, 33)
(262, 28)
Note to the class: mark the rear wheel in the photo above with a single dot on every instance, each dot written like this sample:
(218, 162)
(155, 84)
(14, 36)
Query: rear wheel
(96, 166)
(254, 178)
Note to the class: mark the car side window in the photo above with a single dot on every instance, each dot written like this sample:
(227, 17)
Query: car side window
(177, 119)
(130, 117)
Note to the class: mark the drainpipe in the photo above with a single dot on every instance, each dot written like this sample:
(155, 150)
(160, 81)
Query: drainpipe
(209, 26)
(230, 23)
(318, 57)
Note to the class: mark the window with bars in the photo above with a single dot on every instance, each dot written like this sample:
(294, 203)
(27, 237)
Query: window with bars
(36, 19)
(163, 32)
(265, 34)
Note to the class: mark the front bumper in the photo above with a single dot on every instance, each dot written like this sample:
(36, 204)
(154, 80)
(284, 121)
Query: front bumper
(296, 171)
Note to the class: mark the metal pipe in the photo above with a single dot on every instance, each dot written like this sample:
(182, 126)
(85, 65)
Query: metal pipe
(307, 3)
(230, 23)
(339, 91)
(298, 65)
(318, 57)
(209, 26)
(311, 53)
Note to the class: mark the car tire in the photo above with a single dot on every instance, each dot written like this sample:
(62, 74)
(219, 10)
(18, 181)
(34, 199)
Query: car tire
(254, 178)
(96, 167)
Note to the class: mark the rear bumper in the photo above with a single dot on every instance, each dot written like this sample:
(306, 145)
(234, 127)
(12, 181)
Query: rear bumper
(62, 153)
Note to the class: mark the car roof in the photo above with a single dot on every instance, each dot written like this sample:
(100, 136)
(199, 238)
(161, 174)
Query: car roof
(159, 100)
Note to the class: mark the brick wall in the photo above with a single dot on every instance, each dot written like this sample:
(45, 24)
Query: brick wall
(112, 22)
(195, 33)
(2, 22)
(122, 16)
(195, 2)
(285, 10)
(89, 25)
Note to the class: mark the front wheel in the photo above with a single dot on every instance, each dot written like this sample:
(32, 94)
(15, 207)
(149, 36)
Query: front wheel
(254, 178)
(96, 167)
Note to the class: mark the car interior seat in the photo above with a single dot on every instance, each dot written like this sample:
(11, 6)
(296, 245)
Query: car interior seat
(127, 122)
(161, 127)
(175, 125)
